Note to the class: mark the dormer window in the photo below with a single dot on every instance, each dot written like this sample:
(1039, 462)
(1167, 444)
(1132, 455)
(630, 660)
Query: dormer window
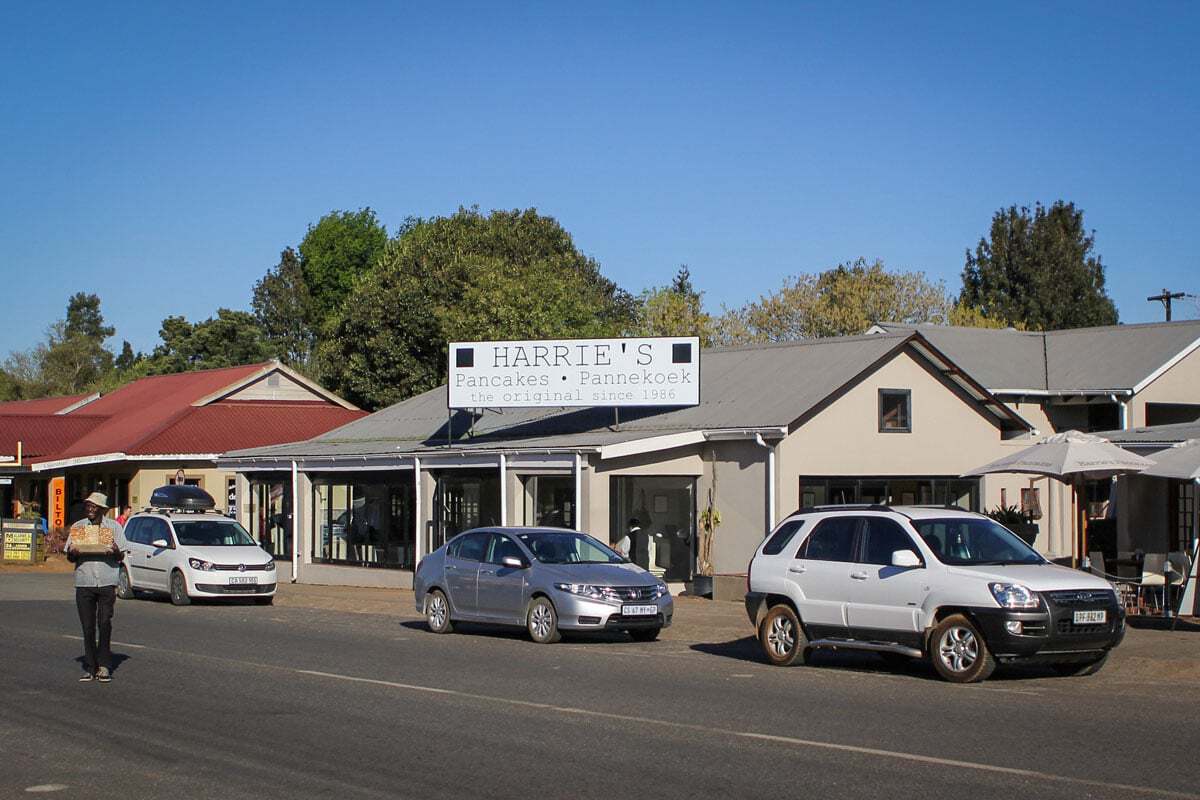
(895, 411)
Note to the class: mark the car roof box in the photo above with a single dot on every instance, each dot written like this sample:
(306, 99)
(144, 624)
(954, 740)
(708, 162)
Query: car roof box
(181, 498)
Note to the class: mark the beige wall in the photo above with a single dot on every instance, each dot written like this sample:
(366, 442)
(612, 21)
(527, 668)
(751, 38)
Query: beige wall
(275, 386)
(153, 474)
(1179, 384)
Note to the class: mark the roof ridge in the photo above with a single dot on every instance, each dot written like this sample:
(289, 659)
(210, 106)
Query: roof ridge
(816, 340)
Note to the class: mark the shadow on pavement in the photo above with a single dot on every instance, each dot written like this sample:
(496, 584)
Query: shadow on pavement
(1147, 622)
(515, 633)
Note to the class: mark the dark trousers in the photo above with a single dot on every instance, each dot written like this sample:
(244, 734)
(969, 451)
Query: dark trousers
(95, 604)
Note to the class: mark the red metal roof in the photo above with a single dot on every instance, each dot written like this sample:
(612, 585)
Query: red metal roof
(226, 426)
(159, 416)
(44, 405)
(139, 410)
(42, 434)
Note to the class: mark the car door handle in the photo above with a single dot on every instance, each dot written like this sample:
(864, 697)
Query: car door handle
(487, 572)
(859, 576)
(798, 570)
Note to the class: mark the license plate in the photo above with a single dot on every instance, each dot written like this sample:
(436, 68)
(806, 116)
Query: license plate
(1090, 617)
(239, 579)
(639, 611)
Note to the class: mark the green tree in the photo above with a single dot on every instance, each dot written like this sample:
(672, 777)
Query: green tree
(675, 310)
(285, 311)
(340, 247)
(84, 318)
(127, 358)
(229, 339)
(470, 276)
(845, 300)
(1038, 270)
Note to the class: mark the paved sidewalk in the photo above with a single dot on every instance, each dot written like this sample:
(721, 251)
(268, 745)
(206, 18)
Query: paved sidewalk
(1148, 655)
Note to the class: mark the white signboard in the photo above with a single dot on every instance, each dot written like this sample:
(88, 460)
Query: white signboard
(575, 372)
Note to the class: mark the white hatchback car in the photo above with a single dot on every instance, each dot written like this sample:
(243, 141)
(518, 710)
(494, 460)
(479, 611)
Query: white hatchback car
(180, 547)
(944, 584)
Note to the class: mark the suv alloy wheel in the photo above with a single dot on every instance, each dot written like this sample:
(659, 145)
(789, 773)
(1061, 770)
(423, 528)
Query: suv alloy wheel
(781, 636)
(958, 651)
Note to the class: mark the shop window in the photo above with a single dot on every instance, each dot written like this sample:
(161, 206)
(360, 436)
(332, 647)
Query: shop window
(658, 515)
(895, 411)
(464, 500)
(364, 523)
(271, 516)
(550, 500)
(941, 491)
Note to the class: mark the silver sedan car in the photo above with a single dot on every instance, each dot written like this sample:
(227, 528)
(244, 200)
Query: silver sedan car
(545, 579)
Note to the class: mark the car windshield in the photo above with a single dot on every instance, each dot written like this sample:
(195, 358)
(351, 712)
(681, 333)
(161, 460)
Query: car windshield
(553, 547)
(970, 541)
(212, 533)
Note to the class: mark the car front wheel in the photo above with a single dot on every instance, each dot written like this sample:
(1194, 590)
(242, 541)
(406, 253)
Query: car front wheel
(781, 636)
(958, 651)
(542, 621)
(179, 592)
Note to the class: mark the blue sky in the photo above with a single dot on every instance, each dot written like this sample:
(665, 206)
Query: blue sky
(163, 154)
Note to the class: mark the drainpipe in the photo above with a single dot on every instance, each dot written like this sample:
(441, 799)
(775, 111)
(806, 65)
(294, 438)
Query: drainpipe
(503, 491)
(1124, 410)
(578, 492)
(418, 523)
(295, 519)
(758, 440)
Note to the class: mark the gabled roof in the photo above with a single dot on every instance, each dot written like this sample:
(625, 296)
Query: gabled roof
(760, 387)
(1154, 434)
(47, 405)
(179, 414)
(1113, 358)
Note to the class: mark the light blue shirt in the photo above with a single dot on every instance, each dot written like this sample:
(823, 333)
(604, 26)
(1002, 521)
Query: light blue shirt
(91, 571)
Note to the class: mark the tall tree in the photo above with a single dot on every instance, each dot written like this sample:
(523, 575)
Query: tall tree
(1038, 270)
(504, 275)
(229, 339)
(340, 247)
(845, 300)
(675, 310)
(84, 318)
(284, 309)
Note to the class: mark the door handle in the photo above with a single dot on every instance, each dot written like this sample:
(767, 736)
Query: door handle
(859, 576)
(798, 570)
(487, 572)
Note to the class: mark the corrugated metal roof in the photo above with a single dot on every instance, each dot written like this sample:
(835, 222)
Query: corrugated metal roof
(1154, 434)
(44, 405)
(763, 386)
(1110, 358)
(222, 426)
(43, 434)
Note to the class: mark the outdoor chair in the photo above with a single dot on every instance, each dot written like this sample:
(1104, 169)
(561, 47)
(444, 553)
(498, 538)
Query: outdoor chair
(1152, 577)
(1179, 570)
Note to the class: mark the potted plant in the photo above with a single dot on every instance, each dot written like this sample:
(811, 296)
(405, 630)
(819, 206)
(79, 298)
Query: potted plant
(1015, 520)
(710, 520)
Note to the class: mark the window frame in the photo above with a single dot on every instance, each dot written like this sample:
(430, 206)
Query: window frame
(907, 395)
(865, 541)
(855, 543)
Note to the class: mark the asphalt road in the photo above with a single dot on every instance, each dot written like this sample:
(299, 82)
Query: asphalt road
(245, 701)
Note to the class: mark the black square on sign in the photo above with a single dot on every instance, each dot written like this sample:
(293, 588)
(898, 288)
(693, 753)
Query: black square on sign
(681, 353)
(464, 357)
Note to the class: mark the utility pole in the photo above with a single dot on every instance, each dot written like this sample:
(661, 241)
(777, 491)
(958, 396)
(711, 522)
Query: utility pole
(1165, 298)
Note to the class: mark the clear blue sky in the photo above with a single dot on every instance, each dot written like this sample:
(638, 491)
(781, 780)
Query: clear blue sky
(163, 154)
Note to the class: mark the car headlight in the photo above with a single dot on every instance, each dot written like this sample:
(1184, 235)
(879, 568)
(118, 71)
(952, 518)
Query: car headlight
(661, 590)
(271, 565)
(1014, 595)
(196, 563)
(583, 590)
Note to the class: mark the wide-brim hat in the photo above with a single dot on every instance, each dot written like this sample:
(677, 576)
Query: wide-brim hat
(98, 499)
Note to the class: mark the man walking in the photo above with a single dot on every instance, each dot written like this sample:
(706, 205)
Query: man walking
(94, 546)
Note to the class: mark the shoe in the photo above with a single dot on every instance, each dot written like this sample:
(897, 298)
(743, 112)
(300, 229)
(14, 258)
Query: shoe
(103, 675)
(85, 677)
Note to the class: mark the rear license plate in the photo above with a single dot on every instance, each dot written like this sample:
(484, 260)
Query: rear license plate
(1090, 617)
(242, 579)
(639, 611)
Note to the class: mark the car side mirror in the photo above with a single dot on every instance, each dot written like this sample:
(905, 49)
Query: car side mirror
(160, 543)
(514, 562)
(905, 558)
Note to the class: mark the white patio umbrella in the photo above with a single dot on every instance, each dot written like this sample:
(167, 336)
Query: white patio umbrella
(1072, 457)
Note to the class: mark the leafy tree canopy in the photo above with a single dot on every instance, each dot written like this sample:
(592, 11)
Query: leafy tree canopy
(229, 339)
(286, 312)
(675, 310)
(340, 247)
(1038, 270)
(845, 300)
(470, 276)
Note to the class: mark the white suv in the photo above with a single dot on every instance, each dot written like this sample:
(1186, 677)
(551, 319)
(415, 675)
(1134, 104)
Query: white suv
(180, 547)
(918, 582)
